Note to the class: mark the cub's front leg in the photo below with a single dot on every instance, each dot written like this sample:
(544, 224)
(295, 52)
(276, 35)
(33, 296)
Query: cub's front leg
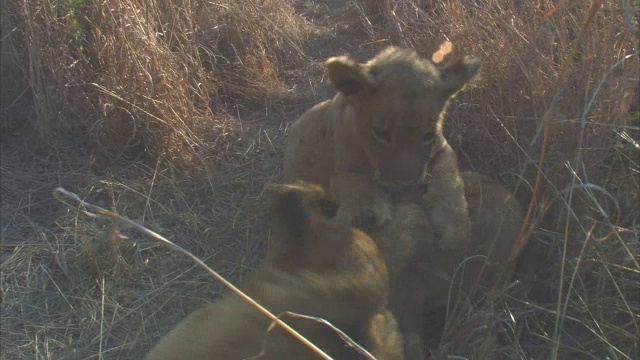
(445, 202)
(361, 203)
(408, 305)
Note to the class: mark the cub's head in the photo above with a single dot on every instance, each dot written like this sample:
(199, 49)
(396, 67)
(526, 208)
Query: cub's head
(306, 239)
(398, 101)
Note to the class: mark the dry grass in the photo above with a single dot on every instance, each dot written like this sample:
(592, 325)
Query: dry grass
(202, 92)
(575, 68)
(55, 261)
(149, 79)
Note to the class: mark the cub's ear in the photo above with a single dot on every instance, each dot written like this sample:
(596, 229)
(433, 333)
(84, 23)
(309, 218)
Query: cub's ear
(309, 192)
(289, 215)
(347, 76)
(455, 76)
(314, 198)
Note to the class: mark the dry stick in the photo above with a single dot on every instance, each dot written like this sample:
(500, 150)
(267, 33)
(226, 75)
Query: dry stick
(59, 193)
(102, 291)
(340, 333)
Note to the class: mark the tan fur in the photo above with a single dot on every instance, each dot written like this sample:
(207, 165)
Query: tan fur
(422, 270)
(496, 219)
(316, 268)
(383, 131)
(382, 134)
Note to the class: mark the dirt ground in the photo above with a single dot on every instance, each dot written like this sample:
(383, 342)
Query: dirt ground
(70, 290)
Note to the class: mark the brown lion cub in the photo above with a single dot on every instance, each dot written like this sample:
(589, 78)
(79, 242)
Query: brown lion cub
(426, 276)
(316, 268)
(383, 131)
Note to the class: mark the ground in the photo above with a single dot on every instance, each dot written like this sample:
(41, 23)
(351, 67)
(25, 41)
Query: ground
(70, 292)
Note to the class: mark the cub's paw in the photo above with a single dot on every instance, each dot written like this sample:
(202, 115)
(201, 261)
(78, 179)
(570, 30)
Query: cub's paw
(386, 337)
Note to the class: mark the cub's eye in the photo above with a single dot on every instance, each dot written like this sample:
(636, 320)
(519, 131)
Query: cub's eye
(382, 135)
(428, 137)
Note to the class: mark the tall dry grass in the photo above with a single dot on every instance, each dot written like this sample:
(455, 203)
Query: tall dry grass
(131, 80)
(556, 104)
(555, 113)
(147, 78)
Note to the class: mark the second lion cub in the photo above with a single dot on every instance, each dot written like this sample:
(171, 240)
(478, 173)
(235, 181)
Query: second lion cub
(316, 268)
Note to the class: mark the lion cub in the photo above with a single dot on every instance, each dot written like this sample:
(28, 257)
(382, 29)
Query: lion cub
(316, 268)
(424, 275)
(383, 131)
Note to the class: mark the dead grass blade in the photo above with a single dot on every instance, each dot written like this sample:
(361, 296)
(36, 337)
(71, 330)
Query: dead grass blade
(324, 322)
